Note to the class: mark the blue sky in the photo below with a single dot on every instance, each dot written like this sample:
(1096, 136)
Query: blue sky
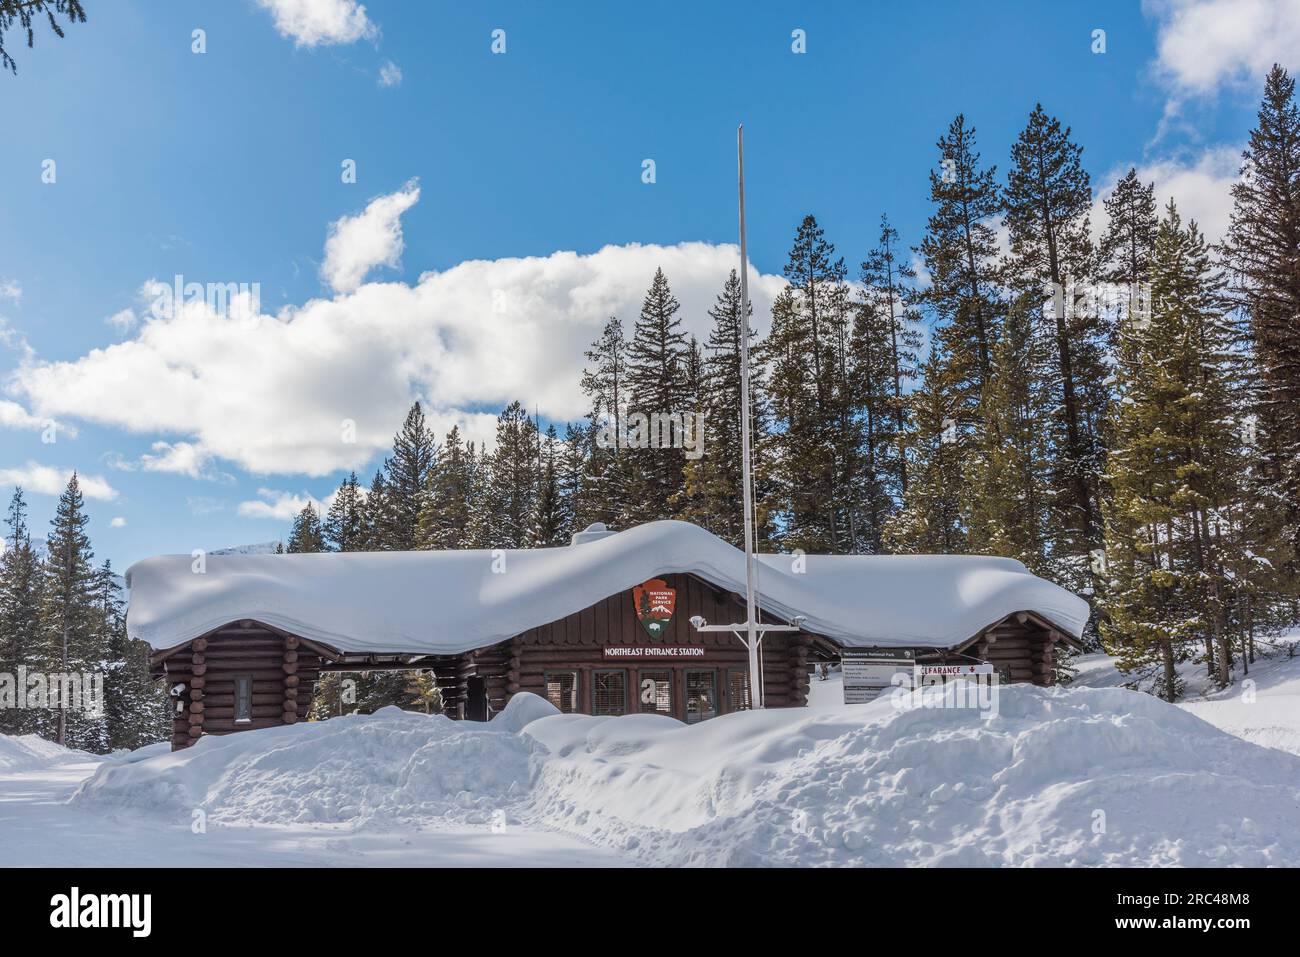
(497, 206)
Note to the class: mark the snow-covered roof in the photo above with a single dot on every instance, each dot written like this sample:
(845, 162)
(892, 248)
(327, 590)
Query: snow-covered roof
(447, 602)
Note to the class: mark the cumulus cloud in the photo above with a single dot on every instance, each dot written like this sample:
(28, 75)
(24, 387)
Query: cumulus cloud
(118, 522)
(123, 320)
(390, 74)
(311, 23)
(324, 385)
(281, 506)
(1199, 184)
(11, 289)
(357, 244)
(1204, 44)
(49, 480)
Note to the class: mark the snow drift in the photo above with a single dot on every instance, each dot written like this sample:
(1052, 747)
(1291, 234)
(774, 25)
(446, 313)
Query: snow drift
(31, 752)
(1056, 777)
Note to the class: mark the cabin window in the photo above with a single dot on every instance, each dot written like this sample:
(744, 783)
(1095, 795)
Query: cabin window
(738, 689)
(562, 690)
(656, 691)
(701, 696)
(609, 692)
(243, 698)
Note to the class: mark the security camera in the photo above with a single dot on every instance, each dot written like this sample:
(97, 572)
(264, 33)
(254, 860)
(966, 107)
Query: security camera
(698, 621)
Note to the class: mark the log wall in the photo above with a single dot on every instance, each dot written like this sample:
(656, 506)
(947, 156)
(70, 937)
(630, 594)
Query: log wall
(283, 677)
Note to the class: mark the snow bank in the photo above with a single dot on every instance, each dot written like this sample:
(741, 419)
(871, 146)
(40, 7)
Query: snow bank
(31, 752)
(1099, 777)
(448, 602)
(1058, 777)
(390, 768)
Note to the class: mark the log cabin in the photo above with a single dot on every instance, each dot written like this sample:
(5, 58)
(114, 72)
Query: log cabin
(602, 626)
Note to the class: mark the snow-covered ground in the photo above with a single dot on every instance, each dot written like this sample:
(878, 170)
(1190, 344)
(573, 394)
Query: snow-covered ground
(1093, 774)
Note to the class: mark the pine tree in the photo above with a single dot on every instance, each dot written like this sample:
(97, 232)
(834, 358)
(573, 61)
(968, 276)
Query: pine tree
(406, 475)
(25, 12)
(23, 642)
(450, 503)
(960, 253)
(604, 487)
(1048, 198)
(1171, 535)
(306, 535)
(69, 615)
(509, 494)
(1263, 251)
(377, 519)
(713, 481)
(658, 385)
(344, 525)
(1008, 470)
(888, 285)
(931, 520)
(1126, 248)
(135, 706)
(552, 523)
(811, 501)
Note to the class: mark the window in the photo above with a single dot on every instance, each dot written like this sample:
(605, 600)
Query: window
(655, 691)
(609, 692)
(701, 696)
(562, 690)
(243, 698)
(738, 690)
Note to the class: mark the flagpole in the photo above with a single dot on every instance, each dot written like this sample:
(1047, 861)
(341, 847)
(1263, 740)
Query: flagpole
(752, 638)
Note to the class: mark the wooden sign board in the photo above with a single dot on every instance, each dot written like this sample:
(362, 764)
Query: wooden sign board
(653, 651)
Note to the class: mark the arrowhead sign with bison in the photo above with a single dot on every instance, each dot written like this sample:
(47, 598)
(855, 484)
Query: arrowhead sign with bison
(655, 603)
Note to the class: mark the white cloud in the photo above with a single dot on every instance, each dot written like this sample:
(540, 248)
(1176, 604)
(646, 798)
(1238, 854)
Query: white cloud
(123, 320)
(14, 416)
(49, 480)
(118, 522)
(180, 458)
(1200, 185)
(390, 74)
(1204, 44)
(312, 23)
(11, 289)
(357, 244)
(274, 396)
(281, 506)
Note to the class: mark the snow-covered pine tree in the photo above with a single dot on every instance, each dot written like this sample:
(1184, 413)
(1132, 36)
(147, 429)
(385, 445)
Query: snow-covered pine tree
(657, 385)
(713, 481)
(306, 534)
(960, 252)
(931, 519)
(135, 706)
(509, 493)
(892, 281)
(1175, 472)
(1008, 471)
(450, 502)
(604, 485)
(552, 522)
(70, 618)
(1047, 201)
(22, 639)
(1262, 250)
(809, 509)
(406, 474)
(1126, 247)
(344, 525)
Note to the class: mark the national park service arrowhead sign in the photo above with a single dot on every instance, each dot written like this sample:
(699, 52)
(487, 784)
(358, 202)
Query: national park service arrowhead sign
(654, 602)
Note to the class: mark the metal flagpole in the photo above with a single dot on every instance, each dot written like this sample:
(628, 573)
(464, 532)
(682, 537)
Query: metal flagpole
(751, 632)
